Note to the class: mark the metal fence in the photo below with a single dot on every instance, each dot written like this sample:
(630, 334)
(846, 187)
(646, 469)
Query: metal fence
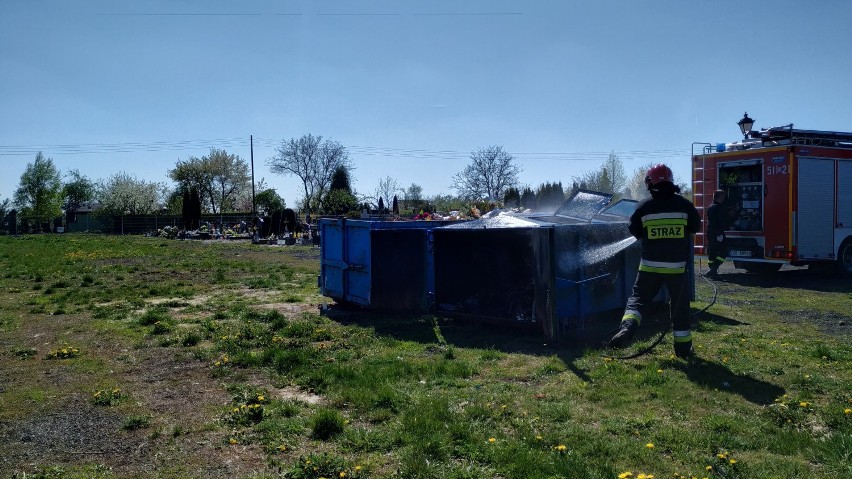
(123, 224)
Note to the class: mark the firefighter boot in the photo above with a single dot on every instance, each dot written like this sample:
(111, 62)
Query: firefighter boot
(624, 334)
(683, 350)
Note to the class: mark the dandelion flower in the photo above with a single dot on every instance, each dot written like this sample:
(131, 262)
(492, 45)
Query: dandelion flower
(660, 371)
(232, 441)
(804, 404)
(261, 398)
(709, 468)
(650, 445)
(539, 438)
(357, 468)
(492, 440)
(342, 474)
(847, 411)
(625, 475)
(282, 448)
(732, 461)
(721, 455)
(561, 448)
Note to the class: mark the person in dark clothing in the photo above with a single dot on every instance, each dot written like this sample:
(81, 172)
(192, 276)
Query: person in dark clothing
(719, 219)
(663, 224)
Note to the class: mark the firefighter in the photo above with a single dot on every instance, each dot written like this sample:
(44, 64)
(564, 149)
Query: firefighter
(719, 219)
(663, 223)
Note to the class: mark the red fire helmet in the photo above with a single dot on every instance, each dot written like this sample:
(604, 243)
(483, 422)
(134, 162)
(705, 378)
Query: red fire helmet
(657, 174)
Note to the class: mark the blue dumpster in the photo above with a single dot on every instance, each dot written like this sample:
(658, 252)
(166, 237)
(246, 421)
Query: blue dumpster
(556, 273)
(381, 265)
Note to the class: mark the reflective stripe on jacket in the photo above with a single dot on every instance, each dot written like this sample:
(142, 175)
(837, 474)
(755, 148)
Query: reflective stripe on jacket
(664, 224)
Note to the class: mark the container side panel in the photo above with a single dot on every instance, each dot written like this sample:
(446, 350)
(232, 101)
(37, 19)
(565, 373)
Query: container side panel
(358, 257)
(596, 267)
(491, 274)
(399, 270)
(332, 265)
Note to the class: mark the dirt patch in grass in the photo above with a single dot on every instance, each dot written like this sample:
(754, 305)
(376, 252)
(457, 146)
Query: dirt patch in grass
(73, 430)
(835, 324)
(167, 423)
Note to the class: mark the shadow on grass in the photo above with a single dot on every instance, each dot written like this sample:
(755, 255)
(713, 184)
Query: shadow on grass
(708, 317)
(711, 375)
(512, 338)
(799, 278)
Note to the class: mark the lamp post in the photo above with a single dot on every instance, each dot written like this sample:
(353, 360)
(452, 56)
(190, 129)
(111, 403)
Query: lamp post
(745, 124)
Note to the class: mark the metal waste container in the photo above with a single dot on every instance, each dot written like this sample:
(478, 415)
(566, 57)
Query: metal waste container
(381, 265)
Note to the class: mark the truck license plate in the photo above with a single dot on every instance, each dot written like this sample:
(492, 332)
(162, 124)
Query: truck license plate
(739, 253)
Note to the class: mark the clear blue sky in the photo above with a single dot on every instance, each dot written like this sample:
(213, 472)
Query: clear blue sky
(410, 87)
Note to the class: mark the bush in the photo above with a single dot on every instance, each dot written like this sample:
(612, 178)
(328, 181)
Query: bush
(326, 423)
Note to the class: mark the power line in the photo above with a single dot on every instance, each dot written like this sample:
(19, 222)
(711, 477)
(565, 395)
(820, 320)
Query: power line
(359, 150)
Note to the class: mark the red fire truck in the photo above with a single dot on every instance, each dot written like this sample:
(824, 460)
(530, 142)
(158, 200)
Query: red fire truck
(792, 193)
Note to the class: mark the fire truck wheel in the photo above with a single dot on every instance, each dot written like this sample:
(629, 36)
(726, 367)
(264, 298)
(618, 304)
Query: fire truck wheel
(844, 258)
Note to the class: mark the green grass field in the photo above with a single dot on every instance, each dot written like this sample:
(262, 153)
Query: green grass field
(144, 357)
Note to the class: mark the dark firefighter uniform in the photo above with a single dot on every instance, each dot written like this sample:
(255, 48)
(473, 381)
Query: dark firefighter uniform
(664, 224)
(719, 219)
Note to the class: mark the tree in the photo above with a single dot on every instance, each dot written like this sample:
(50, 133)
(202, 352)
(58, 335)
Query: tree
(313, 160)
(40, 192)
(549, 196)
(528, 199)
(123, 194)
(340, 179)
(339, 199)
(609, 178)
(76, 192)
(387, 188)
(5, 207)
(194, 173)
(8, 223)
(413, 193)
(193, 210)
(636, 184)
(339, 202)
(229, 175)
(413, 196)
(512, 198)
(221, 178)
(446, 203)
(490, 172)
(268, 201)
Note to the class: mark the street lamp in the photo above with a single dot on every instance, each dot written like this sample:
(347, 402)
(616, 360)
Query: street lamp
(745, 125)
